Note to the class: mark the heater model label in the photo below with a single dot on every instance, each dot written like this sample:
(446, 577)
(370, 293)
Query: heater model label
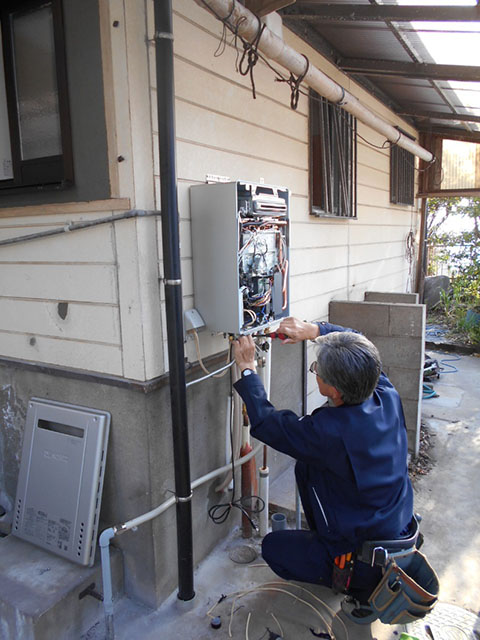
(54, 533)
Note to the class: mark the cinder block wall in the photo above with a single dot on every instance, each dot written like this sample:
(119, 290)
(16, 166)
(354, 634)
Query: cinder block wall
(398, 331)
(387, 296)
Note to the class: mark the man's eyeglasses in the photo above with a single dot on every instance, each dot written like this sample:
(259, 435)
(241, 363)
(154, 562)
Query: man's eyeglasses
(313, 368)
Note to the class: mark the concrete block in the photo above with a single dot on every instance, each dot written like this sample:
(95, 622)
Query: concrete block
(407, 320)
(403, 352)
(388, 296)
(408, 382)
(39, 593)
(371, 318)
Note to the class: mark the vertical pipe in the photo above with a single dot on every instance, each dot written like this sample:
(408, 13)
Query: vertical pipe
(298, 504)
(104, 542)
(265, 374)
(173, 291)
(247, 489)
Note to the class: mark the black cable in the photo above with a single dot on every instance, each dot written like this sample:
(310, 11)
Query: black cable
(219, 513)
(250, 53)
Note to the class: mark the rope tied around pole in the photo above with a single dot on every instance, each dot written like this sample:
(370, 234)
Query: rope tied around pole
(294, 84)
(250, 54)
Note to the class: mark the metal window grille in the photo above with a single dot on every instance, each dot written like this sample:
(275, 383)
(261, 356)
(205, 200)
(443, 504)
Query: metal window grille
(333, 165)
(402, 176)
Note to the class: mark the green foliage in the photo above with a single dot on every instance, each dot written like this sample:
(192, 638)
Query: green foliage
(461, 251)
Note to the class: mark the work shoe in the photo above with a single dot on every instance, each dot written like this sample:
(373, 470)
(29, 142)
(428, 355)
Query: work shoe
(358, 613)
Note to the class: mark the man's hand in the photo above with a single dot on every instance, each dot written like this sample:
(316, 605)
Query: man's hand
(297, 330)
(244, 353)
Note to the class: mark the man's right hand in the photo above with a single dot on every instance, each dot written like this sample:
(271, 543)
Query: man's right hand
(297, 330)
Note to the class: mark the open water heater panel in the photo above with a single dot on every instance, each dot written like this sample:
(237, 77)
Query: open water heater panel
(240, 238)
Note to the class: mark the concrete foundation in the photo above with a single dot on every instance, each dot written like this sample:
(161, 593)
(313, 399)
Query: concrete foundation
(398, 331)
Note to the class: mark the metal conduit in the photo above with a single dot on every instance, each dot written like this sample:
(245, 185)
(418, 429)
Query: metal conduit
(247, 25)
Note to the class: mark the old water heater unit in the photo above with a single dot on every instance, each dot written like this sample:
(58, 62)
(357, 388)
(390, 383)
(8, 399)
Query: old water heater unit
(240, 238)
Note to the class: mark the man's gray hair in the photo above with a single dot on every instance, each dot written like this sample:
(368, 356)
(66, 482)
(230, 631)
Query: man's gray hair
(349, 362)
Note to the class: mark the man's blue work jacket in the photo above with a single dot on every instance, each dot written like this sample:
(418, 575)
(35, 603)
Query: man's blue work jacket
(354, 458)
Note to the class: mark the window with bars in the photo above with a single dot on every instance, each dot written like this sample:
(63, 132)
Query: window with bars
(333, 160)
(402, 176)
(35, 140)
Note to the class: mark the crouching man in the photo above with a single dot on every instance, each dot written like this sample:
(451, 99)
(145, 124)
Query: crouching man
(351, 455)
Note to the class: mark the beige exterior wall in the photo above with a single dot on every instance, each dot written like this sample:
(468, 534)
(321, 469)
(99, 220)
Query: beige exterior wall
(222, 130)
(109, 275)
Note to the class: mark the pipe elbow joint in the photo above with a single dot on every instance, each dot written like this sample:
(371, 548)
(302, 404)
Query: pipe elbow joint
(105, 537)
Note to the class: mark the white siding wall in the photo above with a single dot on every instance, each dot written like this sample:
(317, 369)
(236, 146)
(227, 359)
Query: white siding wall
(79, 268)
(222, 130)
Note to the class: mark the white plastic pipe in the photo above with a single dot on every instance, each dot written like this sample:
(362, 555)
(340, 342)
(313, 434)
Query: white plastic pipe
(264, 491)
(275, 49)
(265, 374)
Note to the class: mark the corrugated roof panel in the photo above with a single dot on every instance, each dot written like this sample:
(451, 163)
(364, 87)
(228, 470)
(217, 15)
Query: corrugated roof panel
(376, 41)
(405, 91)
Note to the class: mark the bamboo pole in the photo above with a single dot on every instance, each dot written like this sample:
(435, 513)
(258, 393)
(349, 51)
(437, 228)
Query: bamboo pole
(274, 48)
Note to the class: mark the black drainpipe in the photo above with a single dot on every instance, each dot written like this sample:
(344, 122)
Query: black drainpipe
(173, 292)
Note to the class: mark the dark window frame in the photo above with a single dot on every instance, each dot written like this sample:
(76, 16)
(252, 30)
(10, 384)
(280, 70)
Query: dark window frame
(333, 160)
(50, 171)
(402, 174)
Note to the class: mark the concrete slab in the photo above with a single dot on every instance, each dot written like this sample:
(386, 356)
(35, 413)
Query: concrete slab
(39, 593)
(449, 497)
(449, 500)
(260, 601)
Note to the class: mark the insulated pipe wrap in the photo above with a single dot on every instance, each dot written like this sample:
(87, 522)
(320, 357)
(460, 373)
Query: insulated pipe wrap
(275, 49)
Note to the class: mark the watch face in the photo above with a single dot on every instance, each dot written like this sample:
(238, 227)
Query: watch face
(247, 372)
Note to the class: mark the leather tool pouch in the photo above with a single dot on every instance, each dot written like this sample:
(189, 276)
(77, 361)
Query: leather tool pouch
(341, 577)
(408, 590)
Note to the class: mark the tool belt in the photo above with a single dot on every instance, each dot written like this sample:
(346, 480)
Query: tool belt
(408, 590)
(377, 552)
(409, 587)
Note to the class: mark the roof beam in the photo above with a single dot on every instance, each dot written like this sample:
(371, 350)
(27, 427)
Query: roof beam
(453, 134)
(371, 67)
(397, 13)
(263, 7)
(461, 117)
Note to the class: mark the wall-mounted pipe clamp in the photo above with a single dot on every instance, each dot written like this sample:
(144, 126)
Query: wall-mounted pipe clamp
(184, 498)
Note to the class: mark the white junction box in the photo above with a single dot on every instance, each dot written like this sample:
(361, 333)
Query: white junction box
(61, 476)
(240, 238)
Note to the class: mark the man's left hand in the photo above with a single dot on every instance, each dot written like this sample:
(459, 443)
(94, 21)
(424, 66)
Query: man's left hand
(244, 353)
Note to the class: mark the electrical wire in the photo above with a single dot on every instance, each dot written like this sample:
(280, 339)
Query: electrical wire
(278, 590)
(211, 374)
(246, 627)
(278, 623)
(219, 513)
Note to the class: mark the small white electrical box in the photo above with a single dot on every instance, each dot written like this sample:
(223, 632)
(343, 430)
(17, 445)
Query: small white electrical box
(240, 238)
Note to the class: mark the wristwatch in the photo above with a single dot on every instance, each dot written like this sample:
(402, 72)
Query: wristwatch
(247, 372)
